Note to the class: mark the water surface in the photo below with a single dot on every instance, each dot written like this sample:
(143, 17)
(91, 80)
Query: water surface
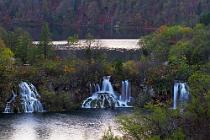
(103, 43)
(76, 125)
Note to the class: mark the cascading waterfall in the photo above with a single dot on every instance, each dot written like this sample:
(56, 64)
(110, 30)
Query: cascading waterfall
(181, 93)
(8, 108)
(106, 97)
(29, 98)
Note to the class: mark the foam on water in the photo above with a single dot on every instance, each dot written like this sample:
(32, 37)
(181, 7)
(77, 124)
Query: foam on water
(106, 97)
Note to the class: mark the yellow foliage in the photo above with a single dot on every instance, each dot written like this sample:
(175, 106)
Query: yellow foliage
(5, 53)
(69, 69)
(185, 30)
(131, 67)
(109, 69)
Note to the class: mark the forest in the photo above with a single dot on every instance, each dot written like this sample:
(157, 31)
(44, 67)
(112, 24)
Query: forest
(186, 51)
(176, 49)
(84, 16)
(170, 53)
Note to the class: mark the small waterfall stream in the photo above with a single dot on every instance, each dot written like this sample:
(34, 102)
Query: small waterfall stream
(125, 96)
(181, 94)
(106, 97)
(29, 99)
(8, 108)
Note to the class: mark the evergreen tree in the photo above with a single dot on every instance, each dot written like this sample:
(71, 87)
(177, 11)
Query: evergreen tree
(23, 46)
(45, 41)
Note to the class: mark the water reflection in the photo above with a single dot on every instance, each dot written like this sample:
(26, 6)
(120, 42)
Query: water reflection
(78, 125)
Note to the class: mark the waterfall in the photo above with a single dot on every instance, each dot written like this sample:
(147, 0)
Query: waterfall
(181, 93)
(8, 108)
(125, 96)
(106, 85)
(106, 96)
(29, 98)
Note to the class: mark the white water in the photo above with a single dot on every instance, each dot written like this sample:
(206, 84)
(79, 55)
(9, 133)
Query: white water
(8, 108)
(181, 94)
(125, 96)
(29, 98)
(106, 97)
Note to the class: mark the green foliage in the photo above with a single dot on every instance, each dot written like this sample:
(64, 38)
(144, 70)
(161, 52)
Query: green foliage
(159, 78)
(186, 51)
(89, 42)
(179, 68)
(3, 35)
(177, 135)
(6, 72)
(72, 40)
(172, 52)
(5, 54)
(20, 42)
(131, 68)
(45, 42)
(180, 48)
(197, 115)
(159, 43)
(55, 102)
(157, 122)
(118, 69)
(51, 67)
(200, 45)
(108, 135)
(23, 46)
(205, 19)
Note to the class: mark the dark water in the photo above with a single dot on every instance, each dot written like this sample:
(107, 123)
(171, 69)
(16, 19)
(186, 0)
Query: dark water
(77, 125)
(62, 32)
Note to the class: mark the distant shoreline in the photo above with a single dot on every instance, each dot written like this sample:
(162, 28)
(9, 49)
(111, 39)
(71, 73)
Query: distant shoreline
(98, 43)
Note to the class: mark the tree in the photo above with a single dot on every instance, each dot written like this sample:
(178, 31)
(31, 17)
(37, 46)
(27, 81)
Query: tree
(89, 42)
(6, 72)
(158, 123)
(197, 115)
(159, 43)
(5, 54)
(72, 40)
(23, 46)
(45, 41)
(205, 19)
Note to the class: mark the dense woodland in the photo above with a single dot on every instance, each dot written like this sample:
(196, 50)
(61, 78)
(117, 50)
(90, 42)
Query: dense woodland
(170, 53)
(173, 53)
(178, 49)
(83, 16)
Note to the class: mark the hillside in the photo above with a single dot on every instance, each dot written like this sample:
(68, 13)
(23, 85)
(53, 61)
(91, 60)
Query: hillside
(100, 16)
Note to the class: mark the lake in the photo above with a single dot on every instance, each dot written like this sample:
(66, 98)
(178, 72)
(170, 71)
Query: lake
(103, 43)
(84, 124)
